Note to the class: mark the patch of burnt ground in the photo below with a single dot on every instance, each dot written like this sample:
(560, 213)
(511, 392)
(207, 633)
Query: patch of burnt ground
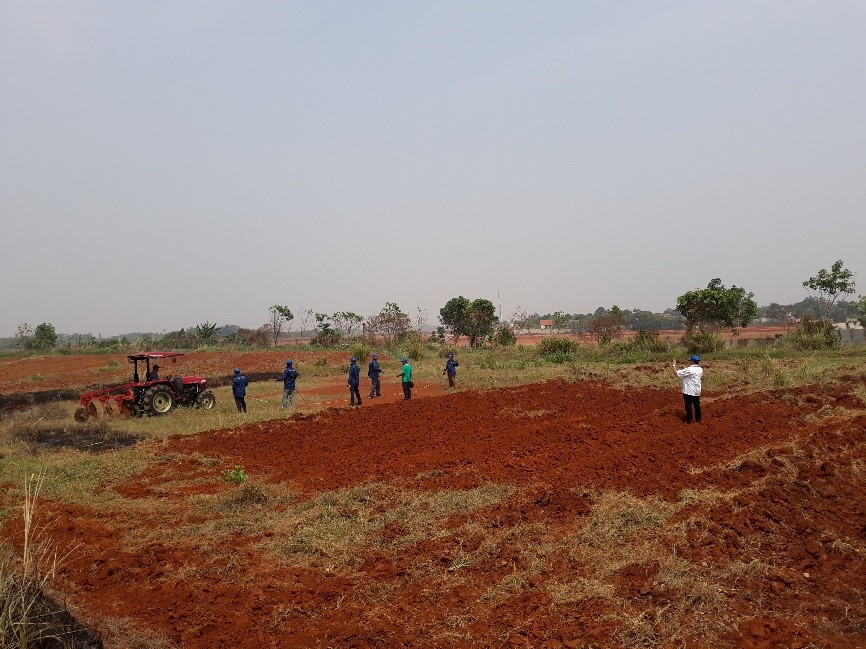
(12, 402)
(51, 626)
(95, 438)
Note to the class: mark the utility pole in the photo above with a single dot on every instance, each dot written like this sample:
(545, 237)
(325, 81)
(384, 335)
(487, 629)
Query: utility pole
(499, 297)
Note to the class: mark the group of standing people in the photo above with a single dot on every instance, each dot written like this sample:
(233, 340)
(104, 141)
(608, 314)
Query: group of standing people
(240, 383)
(374, 373)
(691, 376)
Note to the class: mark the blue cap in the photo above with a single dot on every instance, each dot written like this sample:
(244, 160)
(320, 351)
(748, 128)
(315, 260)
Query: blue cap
(450, 355)
(404, 360)
(695, 358)
(237, 371)
(289, 362)
(354, 359)
(375, 355)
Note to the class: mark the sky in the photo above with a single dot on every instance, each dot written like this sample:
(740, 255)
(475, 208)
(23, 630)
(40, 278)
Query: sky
(167, 163)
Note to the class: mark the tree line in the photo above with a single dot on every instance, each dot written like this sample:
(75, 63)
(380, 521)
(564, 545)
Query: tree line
(699, 310)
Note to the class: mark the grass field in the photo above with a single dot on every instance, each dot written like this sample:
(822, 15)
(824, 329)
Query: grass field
(539, 504)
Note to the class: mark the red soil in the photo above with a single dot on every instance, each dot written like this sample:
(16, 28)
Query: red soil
(23, 375)
(557, 443)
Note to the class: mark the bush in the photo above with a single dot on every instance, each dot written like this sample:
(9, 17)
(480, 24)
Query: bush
(648, 341)
(413, 345)
(557, 350)
(361, 350)
(813, 333)
(698, 342)
(504, 336)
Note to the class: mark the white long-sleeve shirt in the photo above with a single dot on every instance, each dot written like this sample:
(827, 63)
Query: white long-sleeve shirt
(691, 377)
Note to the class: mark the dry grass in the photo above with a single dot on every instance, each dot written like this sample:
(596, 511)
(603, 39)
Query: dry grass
(329, 529)
(25, 618)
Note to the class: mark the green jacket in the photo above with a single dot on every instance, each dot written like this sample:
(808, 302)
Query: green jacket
(406, 373)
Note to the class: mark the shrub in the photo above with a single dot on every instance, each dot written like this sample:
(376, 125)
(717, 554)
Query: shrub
(648, 341)
(360, 350)
(235, 476)
(813, 333)
(504, 336)
(698, 342)
(414, 345)
(557, 350)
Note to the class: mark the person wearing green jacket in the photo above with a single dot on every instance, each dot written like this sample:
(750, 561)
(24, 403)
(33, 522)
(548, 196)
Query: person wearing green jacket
(406, 379)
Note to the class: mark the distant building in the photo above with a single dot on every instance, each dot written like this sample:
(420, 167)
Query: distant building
(545, 325)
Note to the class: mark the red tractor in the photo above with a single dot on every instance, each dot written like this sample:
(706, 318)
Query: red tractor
(152, 396)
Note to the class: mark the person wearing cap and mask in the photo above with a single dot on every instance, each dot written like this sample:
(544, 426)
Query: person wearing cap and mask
(290, 375)
(239, 390)
(451, 370)
(406, 379)
(354, 381)
(691, 376)
(373, 371)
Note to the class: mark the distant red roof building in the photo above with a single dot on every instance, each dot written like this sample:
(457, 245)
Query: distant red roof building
(546, 324)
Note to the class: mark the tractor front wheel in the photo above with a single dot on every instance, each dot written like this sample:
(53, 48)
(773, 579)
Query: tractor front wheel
(206, 400)
(157, 400)
(81, 415)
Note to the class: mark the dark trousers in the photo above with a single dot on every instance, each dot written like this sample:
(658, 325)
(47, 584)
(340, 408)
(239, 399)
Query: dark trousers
(407, 391)
(241, 403)
(451, 378)
(353, 392)
(375, 387)
(692, 402)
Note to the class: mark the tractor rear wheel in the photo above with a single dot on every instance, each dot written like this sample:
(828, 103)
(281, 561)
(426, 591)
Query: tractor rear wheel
(157, 400)
(206, 400)
(81, 415)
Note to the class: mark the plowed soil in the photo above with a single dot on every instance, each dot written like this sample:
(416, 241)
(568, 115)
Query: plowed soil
(29, 374)
(549, 515)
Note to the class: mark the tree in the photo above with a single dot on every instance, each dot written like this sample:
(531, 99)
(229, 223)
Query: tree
(861, 310)
(717, 306)
(392, 322)
(482, 319)
(44, 337)
(205, 333)
(520, 318)
(280, 315)
(474, 320)
(420, 319)
(828, 287)
(306, 318)
(326, 334)
(24, 335)
(454, 316)
(347, 322)
(561, 320)
(608, 325)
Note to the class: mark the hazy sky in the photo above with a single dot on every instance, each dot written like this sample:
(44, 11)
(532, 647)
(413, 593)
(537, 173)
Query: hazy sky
(167, 163)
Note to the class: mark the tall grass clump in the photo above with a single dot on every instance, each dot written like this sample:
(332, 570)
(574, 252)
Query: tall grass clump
(24, 622)
(557, 350)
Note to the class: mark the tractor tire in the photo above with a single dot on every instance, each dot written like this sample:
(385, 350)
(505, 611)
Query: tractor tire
(157, 400)
(81, 415)
(206, 400)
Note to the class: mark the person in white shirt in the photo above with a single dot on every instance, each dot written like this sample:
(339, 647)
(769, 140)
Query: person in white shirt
(691, 377)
